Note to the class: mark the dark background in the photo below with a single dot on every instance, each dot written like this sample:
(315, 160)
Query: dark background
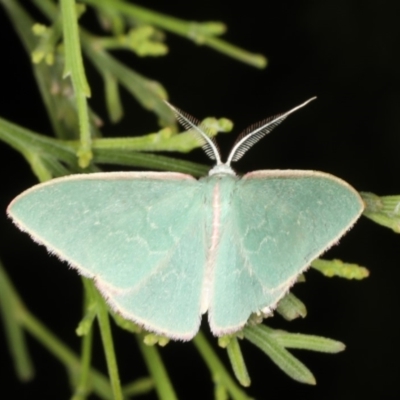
(345, 52)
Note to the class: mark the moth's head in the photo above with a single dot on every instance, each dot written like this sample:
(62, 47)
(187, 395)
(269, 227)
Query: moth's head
(244, 142)
(221, 169)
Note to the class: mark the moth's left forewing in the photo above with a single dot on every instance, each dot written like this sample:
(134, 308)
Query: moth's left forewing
(322, 205)
(300, 215)
(313, 182)
(281, 221)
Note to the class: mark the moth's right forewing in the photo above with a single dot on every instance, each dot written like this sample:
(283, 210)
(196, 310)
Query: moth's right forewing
(133, 233)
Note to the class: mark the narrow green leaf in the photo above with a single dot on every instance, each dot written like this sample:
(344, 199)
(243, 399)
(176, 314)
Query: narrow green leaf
(85, 325)
(56, 168)
(85, 329)
(90, 310)
(111, 21)
(307, 342)
(218, 372)
(150, 161)
(108, 345)
(113, 99)
(82, 385)
(74, 68)
(384, 210)
(164, 140)
(73, 56)
(10, 311)
(255, 60)
(138, 387)
(238, 365)
(220, 392)
(261, 337)
(157, 370)
(338, 268)
(290, 307)
(38, 167)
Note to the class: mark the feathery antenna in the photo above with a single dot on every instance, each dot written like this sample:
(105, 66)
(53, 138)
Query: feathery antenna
(199, 131)
(256, 132)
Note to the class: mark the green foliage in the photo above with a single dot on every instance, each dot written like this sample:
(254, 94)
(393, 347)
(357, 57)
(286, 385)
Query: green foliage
(56, 52)
(290, 307)
(384, 210)
(340, 269)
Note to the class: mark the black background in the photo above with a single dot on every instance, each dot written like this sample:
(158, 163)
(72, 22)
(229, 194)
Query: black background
(345, 52)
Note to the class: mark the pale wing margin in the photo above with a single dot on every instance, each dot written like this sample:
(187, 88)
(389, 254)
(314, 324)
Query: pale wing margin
(128, 231)
(281, 221)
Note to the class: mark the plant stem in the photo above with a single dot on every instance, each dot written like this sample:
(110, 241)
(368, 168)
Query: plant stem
(157, 370)
(108, 345)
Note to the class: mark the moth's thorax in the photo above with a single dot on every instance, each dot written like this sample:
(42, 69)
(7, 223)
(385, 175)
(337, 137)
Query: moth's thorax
(219, 188)
(218, 198)
(218, 194)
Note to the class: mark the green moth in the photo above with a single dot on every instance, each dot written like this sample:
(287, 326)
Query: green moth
(164, 248)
